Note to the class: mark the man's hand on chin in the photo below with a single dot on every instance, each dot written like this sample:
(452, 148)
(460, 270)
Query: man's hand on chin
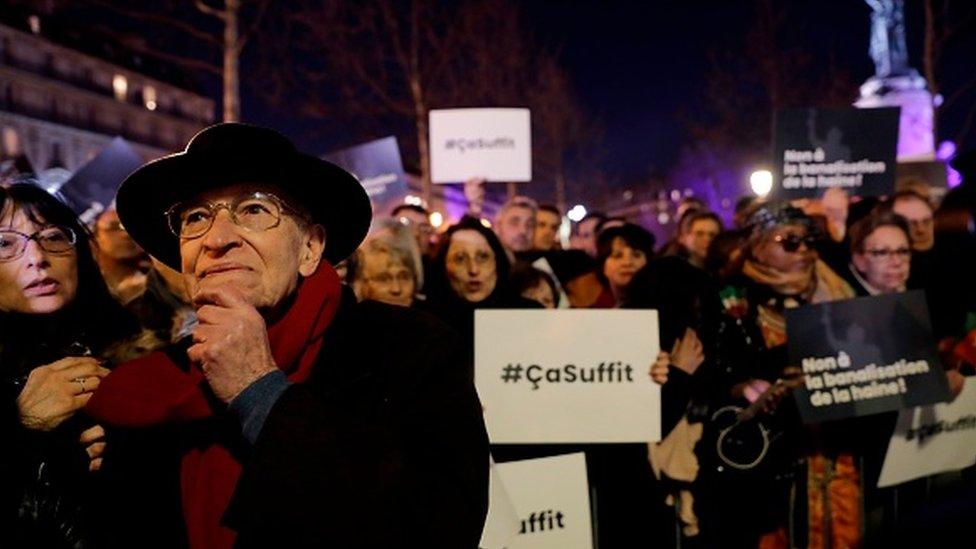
(230, 343)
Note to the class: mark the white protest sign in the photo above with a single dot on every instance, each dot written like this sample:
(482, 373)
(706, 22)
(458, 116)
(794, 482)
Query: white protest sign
(495, 144)
(502, 523)
(932, 439)
(568, 376)
(551, 496)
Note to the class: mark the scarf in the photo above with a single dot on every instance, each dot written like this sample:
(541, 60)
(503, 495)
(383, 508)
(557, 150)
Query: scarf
(154, 390)
(793, 290)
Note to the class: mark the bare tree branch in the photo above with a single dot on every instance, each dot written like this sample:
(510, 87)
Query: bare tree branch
(204, 8)
(262, 10)
(157, 17)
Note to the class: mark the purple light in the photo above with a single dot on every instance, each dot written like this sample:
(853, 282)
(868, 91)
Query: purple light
(953, 178)
(947, 149)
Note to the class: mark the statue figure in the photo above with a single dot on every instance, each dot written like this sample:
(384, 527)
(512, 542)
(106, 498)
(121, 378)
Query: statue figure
(888, 48)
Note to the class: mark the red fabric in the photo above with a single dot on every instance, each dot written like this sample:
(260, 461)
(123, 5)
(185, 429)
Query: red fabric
(152, 390)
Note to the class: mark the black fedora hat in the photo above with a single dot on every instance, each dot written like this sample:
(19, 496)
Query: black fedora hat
(230, 153)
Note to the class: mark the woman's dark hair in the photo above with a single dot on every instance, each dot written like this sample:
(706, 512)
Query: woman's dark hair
(526, 276)
(862, 229)
(634, 236)
(93, 319)
(437, 282)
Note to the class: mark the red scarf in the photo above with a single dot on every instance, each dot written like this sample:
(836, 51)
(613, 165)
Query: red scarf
(152, 390)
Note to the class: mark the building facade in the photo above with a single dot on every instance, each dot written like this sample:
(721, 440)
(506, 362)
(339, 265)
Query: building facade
(59, 106)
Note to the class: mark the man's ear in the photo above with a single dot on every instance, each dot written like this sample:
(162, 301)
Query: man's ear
(860, 262)
(312, 247)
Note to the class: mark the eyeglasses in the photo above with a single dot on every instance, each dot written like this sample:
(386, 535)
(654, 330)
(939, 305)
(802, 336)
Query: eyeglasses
(54, 239)
(792, 242)
(886, 253)
(255, 212)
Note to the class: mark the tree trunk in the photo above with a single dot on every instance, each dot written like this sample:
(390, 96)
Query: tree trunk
(232, 87)
(423, 148)
(561, 192)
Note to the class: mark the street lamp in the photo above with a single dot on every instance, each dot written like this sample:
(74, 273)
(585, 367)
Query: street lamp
(761, 182)
(577, 213)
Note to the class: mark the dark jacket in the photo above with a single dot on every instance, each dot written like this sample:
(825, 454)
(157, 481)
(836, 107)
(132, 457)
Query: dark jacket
(383, 446)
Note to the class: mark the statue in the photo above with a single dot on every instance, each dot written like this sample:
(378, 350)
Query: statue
(888, 48)
(895, 83)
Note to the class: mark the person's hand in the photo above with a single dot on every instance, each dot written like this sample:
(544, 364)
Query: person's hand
(93, 440)
(54, 392)
(659, 370)
(474, 193)
(750, 390)
(230, 342)
(792, 379)
(687, 354)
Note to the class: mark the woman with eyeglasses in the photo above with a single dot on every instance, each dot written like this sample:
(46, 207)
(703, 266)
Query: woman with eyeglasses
(470, 270)
(776, 269)
(58, 326)
(881, 254)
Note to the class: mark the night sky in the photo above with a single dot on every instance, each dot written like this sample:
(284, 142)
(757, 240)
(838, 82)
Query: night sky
(640, 67)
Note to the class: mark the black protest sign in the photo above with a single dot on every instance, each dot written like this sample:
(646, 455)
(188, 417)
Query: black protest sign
(865, 356)
(818, 149)
(92, 188)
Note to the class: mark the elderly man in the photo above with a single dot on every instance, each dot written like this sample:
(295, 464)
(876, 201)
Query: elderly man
(298, 416)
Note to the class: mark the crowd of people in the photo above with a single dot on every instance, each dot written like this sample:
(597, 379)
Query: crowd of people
(115, 337)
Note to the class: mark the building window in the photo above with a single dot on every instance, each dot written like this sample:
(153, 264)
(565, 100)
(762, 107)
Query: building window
(35, 24)
(149, 97)
(120, 86)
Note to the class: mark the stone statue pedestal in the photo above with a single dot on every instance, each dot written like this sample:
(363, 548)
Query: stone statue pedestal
(916, 141)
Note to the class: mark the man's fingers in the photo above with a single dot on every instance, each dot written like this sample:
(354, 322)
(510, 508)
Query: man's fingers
(222, 296)
(80, 401)
(95, 450)
(72, 361)
(84, 370)
(91, 435)
(85, 384)
(95, 464)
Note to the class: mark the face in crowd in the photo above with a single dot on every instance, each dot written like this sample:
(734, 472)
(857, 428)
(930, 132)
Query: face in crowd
(622, 263)
(884, 262)
(112, 240)
(786, 248)
(918, 213)
(546, 228)
(515, 227)
(419, 223)
(385, 277)
(698, 238)
(586, 235)
(541, 293)
(255, 242)
(38, 263)
(471, 266)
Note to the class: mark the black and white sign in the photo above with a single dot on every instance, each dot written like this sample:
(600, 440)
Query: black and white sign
(568, 376)
(818, 149)
(865, 356)
(494, 144)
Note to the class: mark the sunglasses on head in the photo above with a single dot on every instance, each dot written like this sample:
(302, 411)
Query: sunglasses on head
(792, 242)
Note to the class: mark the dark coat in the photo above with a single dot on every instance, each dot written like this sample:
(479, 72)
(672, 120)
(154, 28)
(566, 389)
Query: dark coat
(383, 446)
